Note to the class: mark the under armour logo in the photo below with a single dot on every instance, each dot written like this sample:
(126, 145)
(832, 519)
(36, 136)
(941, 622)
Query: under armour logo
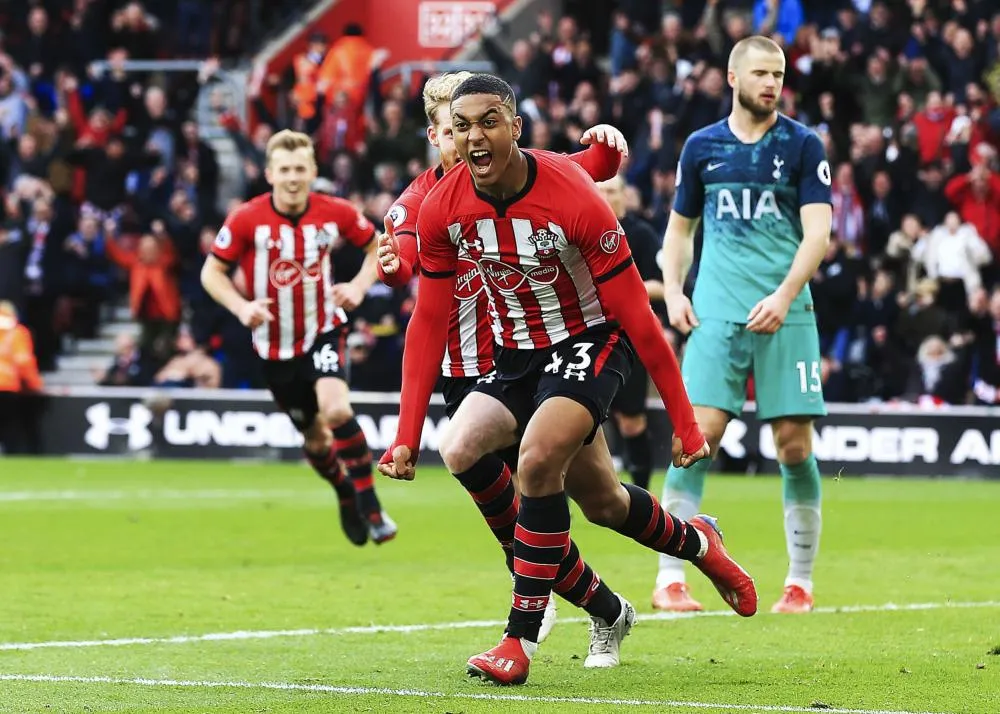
(555, 365)
(778, 163)
(103, 426)
(488, 379)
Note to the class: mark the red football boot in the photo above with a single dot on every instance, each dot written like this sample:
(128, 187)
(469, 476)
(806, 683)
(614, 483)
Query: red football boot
(676, 597)
(507, 663)
(733, 582)
(794, 600)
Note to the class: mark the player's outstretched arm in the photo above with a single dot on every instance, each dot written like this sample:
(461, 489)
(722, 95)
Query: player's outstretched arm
(678, 247)
(397, 256)
(423, 350)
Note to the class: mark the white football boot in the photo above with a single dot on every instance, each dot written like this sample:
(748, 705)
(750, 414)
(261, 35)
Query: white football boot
(606, 639)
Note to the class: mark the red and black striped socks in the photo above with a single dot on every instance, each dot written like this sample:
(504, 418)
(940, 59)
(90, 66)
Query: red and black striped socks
(541, 542)
(351, 444)
(647, 523)
(327, 464)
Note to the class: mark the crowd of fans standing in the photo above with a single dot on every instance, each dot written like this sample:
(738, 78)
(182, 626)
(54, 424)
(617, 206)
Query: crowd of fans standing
(111, 197)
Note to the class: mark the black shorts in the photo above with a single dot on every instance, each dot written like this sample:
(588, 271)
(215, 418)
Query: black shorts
(631, 398)
(293, 381)
(589, 368)
(455, 390)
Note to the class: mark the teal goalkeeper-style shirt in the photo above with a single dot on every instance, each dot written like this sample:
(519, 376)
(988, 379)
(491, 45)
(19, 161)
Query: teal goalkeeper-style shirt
(748, 197)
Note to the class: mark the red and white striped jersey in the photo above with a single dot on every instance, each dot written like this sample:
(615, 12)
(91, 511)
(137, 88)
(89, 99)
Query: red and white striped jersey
(287, 259)
(470, 338)
(539, 254)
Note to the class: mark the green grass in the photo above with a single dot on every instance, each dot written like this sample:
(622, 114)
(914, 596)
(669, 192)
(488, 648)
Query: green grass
(169, 548)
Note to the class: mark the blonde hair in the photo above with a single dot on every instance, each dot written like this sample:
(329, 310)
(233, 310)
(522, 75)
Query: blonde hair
(438, 91)
(289, 141)
(754, 42)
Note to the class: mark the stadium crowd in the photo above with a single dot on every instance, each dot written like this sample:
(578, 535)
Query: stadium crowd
(110, 194)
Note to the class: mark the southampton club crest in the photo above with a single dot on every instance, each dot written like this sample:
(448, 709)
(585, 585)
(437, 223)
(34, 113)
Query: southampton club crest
(324, 239)
(544, 241)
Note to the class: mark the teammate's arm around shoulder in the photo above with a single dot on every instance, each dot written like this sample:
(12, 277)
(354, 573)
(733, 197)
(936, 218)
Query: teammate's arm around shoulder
(424, 345)
(816, 215)
(678, 241)
(229, 246)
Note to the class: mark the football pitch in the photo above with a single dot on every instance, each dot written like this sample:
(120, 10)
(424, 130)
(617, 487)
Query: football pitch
(214, 587)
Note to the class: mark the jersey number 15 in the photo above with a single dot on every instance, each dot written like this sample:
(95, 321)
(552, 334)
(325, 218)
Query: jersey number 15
(809, 380)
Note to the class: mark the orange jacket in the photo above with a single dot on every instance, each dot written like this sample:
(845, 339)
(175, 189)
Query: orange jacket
(347, 68)
(156, 277)
(18, 366)
(304, 92)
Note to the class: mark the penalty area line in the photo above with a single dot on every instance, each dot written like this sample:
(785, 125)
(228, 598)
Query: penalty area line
(463, 625)
(419, 693)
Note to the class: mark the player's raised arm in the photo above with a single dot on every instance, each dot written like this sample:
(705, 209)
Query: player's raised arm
(605, 148)
(816, 215)
(678, 241)
(604, 247)
(227, 249)
(397, 247)
(424, 346)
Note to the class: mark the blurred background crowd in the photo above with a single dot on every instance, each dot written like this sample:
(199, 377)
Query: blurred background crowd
(111, 197)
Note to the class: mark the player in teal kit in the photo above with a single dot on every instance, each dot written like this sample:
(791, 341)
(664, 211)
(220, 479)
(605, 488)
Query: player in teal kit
(760, 183)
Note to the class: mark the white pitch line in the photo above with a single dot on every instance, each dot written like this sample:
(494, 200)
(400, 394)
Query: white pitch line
(362, 691)
(154, 494)
(430, 627)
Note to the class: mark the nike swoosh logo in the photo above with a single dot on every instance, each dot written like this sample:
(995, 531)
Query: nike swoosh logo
(713, 167)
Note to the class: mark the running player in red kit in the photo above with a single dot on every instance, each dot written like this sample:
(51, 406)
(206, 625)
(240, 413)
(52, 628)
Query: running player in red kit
(556, 268)
(281, 241)
(470, 356)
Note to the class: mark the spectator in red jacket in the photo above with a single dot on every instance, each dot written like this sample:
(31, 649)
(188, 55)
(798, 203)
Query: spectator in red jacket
(976, 196)
(932, 125)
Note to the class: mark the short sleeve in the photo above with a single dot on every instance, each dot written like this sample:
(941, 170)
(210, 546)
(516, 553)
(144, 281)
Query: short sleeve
(815, 179)
(600, 238)
(689, 193)
(353, 225)
(232, 239)
(438, 256)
